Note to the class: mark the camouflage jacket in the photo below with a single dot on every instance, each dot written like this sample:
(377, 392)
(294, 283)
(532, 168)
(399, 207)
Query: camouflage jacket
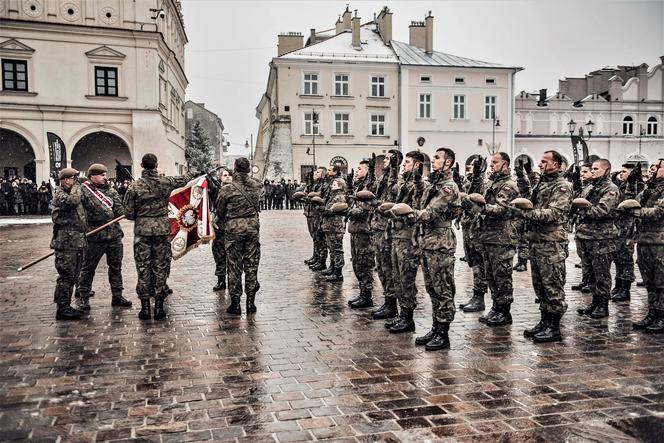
(552, 200)
(96, 202)
(332, 222)
(359, 212)
(651, 215)
(69, 222)
(146, 202)
(468, 218)
(237, 205)
(315, 210)
(598, 221)
(627, 225)
(386, 191)
(440, 204)
(410, 193)
(496, 225)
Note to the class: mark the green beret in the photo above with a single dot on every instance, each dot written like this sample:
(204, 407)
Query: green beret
(96, 169)
(68, 173)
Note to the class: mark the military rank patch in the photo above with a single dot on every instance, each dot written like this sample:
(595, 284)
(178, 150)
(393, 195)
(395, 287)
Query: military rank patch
(563, 189)
(447, 190)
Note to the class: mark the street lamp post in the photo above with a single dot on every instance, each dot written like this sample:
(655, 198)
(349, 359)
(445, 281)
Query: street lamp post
(579, 141)
(495, 124)
(314, 122)
(642, 132)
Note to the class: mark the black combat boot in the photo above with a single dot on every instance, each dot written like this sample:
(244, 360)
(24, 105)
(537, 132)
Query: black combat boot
(221, 284)
(355, 299)
(640, 284)
(159, 312)
(521, 265)
(579, 286)
(388, 310)
(502, 316)
(329, 270)
(544, 319)
(365, 300)
(318, 266)
(587, 289)
(601, 309)
(551, 331)
(396, 319)
(588, 309)
(145, 314)
(66, 312)
(426, 338)
(335, 276)
(623, 292)
(441, 340)
(657, 326)
(119, 300)
(647, 321)
(313, 259)
(234, 308)
(406, 324)
(83, 302)
(616, 287)
(491, 313)
(475, 304)
(251, 307)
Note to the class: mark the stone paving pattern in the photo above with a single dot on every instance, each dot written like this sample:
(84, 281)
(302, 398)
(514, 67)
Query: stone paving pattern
(306, 367)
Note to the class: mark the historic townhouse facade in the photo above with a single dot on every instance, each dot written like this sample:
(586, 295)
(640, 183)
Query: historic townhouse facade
(88, 81)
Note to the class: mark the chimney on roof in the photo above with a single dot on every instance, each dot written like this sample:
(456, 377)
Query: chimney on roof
(289, 42)
(384, 24)
(542, 98)
(339, 26)
(356, 31)
(428, 29)
(417, 34)
(312, 36)
(346, 16)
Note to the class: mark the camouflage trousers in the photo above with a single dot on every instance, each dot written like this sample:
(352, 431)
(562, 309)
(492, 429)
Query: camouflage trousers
(438, 267)
(624, 259)
(650, 258)
(598, 254)
(243, 253)
(405, 260)
(152, 255)
(547, 268)
(476, 262)
(586, 275)
(522, 245)
(219, 254)
(335, 244)
(362, 256)
(320, 243)
(93, 254)
(383, 250)
(68, 265)
(498, 265)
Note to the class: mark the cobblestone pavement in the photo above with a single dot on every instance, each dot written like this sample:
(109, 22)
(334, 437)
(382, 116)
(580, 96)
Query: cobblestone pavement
(306, 367)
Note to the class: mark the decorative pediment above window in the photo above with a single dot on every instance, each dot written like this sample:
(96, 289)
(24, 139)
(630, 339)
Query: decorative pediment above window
(13, 46)
(104, 52)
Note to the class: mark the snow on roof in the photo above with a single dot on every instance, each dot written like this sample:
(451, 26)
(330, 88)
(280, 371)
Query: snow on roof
(412, 55)
(340, 48)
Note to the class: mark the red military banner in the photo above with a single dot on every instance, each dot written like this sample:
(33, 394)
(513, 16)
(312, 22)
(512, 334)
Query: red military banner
(189, 214)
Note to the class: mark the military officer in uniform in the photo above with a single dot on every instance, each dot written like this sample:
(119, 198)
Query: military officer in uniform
(102, 204)
(218, 244)
(332, 224)
(69, 242)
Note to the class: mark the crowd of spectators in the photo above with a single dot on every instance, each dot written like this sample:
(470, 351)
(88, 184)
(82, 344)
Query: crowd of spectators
(279, 195)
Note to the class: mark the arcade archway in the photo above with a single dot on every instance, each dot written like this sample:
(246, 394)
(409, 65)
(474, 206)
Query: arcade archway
(18, 156)
(105, 148)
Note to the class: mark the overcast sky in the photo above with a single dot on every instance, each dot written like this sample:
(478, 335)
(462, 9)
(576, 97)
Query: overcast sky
(232, 42)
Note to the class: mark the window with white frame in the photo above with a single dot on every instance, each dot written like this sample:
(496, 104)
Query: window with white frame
(424, 106)
(377, 86)
(310, 84)
(490, 107)
(311, 123)
(628, 125)
(377, 124)
(341, 84)
(425, 78)
(459, 80)
(490, 80)
(651, 128)
(459, 107)
(341, 123)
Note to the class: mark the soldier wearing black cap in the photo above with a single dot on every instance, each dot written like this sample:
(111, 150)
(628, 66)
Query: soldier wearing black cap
(102, 204)
(146, 202)
(69, 227)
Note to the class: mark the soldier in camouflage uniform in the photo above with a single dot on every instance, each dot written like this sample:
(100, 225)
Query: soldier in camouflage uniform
(547, 235)
(237, 205)
(498, 238)
(597, 234)
(631, 185)
(102, 204)
(650, 249)
(439, 205)
(69, 227)
(405, 252)
(146, 203)
(332, 224)
(219, 243)
(523, 185)
(586, 276)
(309, 215)
(320, 245)
(361, 245)
(382, 237)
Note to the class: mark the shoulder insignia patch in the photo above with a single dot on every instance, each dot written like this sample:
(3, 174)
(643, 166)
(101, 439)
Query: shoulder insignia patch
(447, 190)
(563, 189)
(612, 193)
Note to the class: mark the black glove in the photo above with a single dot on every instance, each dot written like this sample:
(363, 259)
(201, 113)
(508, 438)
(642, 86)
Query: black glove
(372, 167)
(417, 173)
(633, 175)
(394, 162)
(477, 167)
(527, 167)
(349, 178)
(518, 168)
(455, 174)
